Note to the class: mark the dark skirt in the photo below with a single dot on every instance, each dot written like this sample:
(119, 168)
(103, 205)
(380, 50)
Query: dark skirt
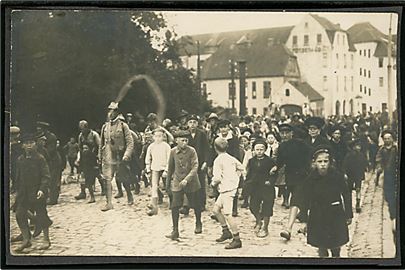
(327, 227)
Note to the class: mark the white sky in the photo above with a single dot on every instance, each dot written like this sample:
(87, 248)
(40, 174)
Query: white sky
(191, 23)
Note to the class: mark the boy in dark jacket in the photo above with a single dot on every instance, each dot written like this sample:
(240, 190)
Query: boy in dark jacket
(261, 187)
(354, 166)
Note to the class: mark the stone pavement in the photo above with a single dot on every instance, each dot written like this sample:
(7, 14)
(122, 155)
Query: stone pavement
(82, 229)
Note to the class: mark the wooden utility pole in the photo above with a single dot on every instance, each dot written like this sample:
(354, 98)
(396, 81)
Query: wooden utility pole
(389, 74)
(242, 87)
(232, 87)
(198, 67)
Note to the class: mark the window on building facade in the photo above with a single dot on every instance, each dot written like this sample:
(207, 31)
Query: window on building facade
(337, 60)
(254, 110)
(380, 62)
(361, 88)
(369, 53)
(361, 72)
(369, 92)
(325, 83)
(337, 83)
(287, 92)
(204, 89)
(254, 93)
(360, 52)
(351, 83)
(369, 74)
(325, 59)
(365, 52)
(319, 39)
(381, 81)
(351, 61)
(365, 73)
(344, 61)
(345, 85)
(295, 41)
(306, 40)
(306, 25)
(266, 89)
(371, 108)
(338, 39)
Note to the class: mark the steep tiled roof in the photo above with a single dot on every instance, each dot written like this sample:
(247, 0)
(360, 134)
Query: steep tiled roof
(307, 91)
(210, 42)
(331, 29)
(261, 61)
(366, 32)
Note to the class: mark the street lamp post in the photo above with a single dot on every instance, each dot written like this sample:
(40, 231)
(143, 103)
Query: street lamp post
(389, 74)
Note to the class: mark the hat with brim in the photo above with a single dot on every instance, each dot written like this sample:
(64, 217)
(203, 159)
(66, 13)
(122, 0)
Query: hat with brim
(223, 123)
(182, 134)
(213, 116)
(14, 130)
(113, 106)
(259, 141)
(315, 121)
(285, 127)
(193, 117)
(387, 131)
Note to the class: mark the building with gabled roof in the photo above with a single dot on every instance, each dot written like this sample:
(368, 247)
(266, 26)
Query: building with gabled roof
(371, 64)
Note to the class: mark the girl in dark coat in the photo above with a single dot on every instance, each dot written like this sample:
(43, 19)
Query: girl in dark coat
(321, 197)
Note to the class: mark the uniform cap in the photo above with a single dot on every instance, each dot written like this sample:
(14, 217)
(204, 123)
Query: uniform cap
(113, 106)
(213, 116)
(182, 134)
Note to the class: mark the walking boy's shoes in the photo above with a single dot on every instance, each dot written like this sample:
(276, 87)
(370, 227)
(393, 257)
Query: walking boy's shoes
(285, 234)
(262, 233)
(257, 227)
(234, 244)
(174, 235)
(24, 245)
(106, 208)
(17, 238)
(225, 236)
(198, 228)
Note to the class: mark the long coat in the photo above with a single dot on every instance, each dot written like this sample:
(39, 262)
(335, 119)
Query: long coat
(328, 213)
(201, 146)
(32, 175)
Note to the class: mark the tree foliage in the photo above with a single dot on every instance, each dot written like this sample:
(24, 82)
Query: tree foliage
(68, 65)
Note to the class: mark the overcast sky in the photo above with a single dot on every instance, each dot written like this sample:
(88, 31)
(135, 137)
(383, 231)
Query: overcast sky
(191, 23)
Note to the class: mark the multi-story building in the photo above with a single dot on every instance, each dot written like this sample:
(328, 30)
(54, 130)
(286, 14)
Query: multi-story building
(372, 67)
(321, 65)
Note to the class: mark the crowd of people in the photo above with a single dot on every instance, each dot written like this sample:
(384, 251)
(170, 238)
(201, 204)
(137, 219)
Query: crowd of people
(313, 163)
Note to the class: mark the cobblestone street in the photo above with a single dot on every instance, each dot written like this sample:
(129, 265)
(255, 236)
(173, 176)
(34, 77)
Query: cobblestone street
(82, 229)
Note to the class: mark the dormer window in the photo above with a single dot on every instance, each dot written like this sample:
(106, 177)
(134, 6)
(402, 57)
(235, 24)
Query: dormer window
(306, 25)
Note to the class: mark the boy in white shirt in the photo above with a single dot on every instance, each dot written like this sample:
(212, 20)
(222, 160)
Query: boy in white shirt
(156, 160)
(226, 173)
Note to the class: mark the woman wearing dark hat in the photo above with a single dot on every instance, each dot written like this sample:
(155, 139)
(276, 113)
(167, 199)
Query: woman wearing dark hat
(314, 125)
(321, 197)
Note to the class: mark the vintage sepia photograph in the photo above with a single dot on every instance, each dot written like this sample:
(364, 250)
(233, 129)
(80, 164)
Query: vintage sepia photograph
(149, 133)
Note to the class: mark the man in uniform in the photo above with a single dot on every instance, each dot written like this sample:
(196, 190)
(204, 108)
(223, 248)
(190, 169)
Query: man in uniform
(116, 148)
(90, 138)
(54, 163)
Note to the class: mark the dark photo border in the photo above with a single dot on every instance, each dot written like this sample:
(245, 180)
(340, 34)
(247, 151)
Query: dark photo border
(9, 261)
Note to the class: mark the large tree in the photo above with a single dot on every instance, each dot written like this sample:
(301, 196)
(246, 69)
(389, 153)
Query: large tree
(68, 65)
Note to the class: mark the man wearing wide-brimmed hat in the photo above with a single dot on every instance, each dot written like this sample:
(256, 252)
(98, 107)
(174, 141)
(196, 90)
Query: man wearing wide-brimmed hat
(116, 147)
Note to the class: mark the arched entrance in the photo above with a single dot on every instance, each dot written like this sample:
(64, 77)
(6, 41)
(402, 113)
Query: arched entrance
(351, 107)
(337, 108)
(344, 107)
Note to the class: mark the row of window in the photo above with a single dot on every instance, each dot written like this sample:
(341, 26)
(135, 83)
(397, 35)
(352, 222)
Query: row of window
(254, 110)
(325, 56)
(325, 83)
(266, 90)
(363, 89)
(366, 53)
(306, 40)
(364, 72)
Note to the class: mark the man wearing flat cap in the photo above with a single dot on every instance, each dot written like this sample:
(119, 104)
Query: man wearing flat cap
(54, 162)
(199, 141)
(182, 179)
(295, 156)
(32, 182)
(337, 144)
(116, 147)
